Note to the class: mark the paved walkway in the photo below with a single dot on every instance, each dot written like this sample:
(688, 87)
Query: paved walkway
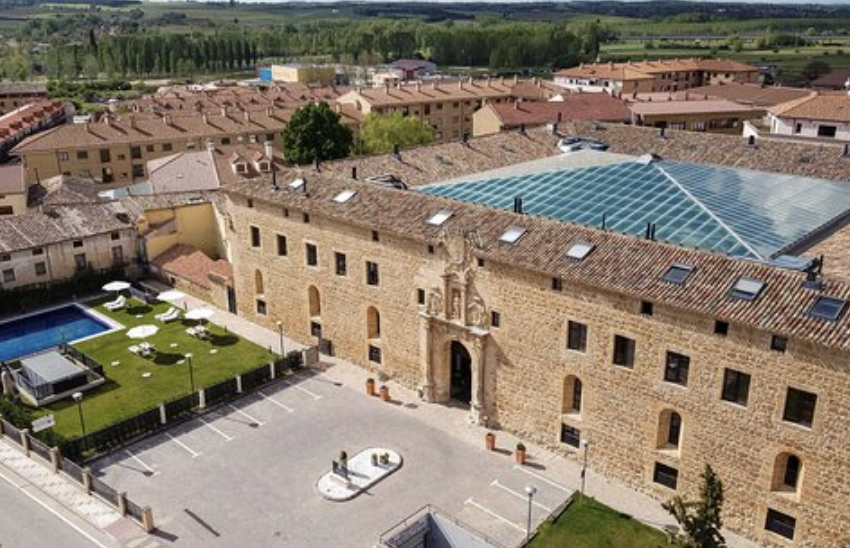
(454, 421)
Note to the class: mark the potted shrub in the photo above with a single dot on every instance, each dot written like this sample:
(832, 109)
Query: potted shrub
(385, 458)
(370, 386)
(385, 392)
(490, 440)
(343, 457)
(519, 454)
(374, 459)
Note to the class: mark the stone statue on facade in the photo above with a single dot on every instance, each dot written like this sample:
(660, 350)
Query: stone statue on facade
(435, 302)
(456, 306)
(477, 313)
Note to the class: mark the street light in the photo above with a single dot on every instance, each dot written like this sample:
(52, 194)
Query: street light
(280, 332)
(191, 373)
(78, 397)
(584, 444)
(530, 490)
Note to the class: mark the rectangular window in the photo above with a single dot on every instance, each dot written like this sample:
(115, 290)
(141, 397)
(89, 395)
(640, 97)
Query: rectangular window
(495, 319)
(80, 261)
(306, 218)
(571, 436)
(557, 284)
(827, 131)
(77, 244)
(105, 156)
(281, 245)
(340, 265)
(5, 257)
(375, 236)
(665, 475)
(118, 254)
(167, 147)
(721, 328)
(150, 148)
(676, 368)
(312, 255)
(736, 387)
(40, 268)
(8, 275)
(261, 307)
(256, 241)
(136, 152)
(372, 277)
(781, 524)
(800, 407)
(779, 344)
(115, 236)
(624, 351)
(7, 210)
(646, 308)
(62, 156)
(374, 354)
(420, 296)
(577, 336)
(316, 329)
(138, 170)
(82, 155)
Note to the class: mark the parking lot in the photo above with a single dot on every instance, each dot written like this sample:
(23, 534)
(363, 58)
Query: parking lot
(244, 474)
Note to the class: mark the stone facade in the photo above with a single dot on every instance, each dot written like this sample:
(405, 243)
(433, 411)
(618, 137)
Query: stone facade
(513, 325)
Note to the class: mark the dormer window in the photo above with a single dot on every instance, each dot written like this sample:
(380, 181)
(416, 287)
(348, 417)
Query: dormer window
(264, 167)
(240, 167)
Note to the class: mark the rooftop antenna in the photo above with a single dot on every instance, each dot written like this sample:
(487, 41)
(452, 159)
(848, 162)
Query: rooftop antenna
(604, 217)
(518, 205)
(274, 181)
(813, 274)
(354, 172)
(465, 139)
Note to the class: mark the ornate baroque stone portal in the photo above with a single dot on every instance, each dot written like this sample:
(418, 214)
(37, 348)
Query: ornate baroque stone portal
(453, 311)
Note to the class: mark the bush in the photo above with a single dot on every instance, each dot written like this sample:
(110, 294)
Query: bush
(293, 360)
(33, 297)
(16, 413)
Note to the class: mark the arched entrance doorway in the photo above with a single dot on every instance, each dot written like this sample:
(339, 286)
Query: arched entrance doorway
(461, 373)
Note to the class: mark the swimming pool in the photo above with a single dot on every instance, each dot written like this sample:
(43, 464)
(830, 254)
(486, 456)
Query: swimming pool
(47, 329)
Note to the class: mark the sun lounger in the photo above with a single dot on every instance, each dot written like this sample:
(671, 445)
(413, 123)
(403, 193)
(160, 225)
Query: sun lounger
(117, 304)
(169, 316)
(192, 331)
(135, 350)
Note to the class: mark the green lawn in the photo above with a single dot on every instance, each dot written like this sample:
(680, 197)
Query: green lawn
(127, 392)
(588, 524)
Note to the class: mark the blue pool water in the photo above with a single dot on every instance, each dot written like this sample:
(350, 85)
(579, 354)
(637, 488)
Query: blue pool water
(45, 330)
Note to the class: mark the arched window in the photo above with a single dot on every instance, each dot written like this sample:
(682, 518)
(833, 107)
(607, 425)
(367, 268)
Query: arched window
(373, 323)
(259, 286)
(669, 430)
(787, 472)
(314, 301)
(572, 396)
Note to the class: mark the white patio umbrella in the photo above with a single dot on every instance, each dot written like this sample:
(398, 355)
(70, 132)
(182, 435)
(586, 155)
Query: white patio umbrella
(171, 296)
(116, 286)
(201, 314)
(142, 331)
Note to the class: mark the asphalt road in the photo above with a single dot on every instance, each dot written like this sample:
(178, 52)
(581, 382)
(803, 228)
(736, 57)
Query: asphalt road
(24, 523)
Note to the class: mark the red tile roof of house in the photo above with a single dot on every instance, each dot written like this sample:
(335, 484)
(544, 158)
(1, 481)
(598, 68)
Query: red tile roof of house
(585, 106)
(190, 263)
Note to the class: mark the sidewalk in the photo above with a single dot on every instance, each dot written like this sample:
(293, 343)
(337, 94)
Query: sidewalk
(454, 420)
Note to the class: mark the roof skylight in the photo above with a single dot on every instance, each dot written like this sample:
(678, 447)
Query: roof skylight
(512, 234)
(827, 308)
(678, 273)
(440, 218)
(580, 250)
(296, 184)
(344, 196)
(747, 289)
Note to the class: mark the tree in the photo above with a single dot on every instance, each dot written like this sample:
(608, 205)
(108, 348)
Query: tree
(315, 132)
(814, 69)
(700, 520)
(381, 133)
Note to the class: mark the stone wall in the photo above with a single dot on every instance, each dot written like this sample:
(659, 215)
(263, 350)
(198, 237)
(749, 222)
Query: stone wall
(525, 362)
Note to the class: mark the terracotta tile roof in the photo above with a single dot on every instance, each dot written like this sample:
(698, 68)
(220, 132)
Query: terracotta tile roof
(279, 95)
(26, 88)
(192, 264)
(65, 190)
(61, 223)
(644, 70)
(432, 92)
(253, 153)
(23, 120)
(831, 107)
(710, 106)
(750, 94)
(137, 205)
(837, 79)
(183, 172)
(578, 106)
(621, 264)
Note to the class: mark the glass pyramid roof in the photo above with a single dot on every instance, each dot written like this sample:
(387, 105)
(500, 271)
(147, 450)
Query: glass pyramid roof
(744, 213)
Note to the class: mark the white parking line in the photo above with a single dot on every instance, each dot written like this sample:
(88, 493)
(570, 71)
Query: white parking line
(493, 514)
(191, 451)
(541, 478)
(277, 403)
(302, 389)
(520, 496)
(141, 462)
(216, 430)
(246, 415)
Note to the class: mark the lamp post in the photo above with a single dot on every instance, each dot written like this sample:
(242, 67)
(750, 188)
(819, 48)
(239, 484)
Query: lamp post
(191, 373)
(280, 333)
(530, 490)
(78, 397)
(584, 445)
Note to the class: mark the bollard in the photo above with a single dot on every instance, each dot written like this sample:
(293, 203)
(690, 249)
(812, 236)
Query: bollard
(163, 418)
(271, 371)
(202, 399)
(25, 441)
(121, 501)
(87, 480)
(147, 520)
(55, 459)
(238, 384)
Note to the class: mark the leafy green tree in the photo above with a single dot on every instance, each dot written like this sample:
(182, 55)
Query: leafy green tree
(814, 69)
(382, 132)
(700, 519)
(315, 132)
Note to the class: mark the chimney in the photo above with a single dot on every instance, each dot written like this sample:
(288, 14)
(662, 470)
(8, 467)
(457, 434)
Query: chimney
(522, 129)
(269, 150)
(846, 152)
(518, 205)
(224, 112)
(354, 172)
(662, 133)
(751, 141)
(274, 180)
